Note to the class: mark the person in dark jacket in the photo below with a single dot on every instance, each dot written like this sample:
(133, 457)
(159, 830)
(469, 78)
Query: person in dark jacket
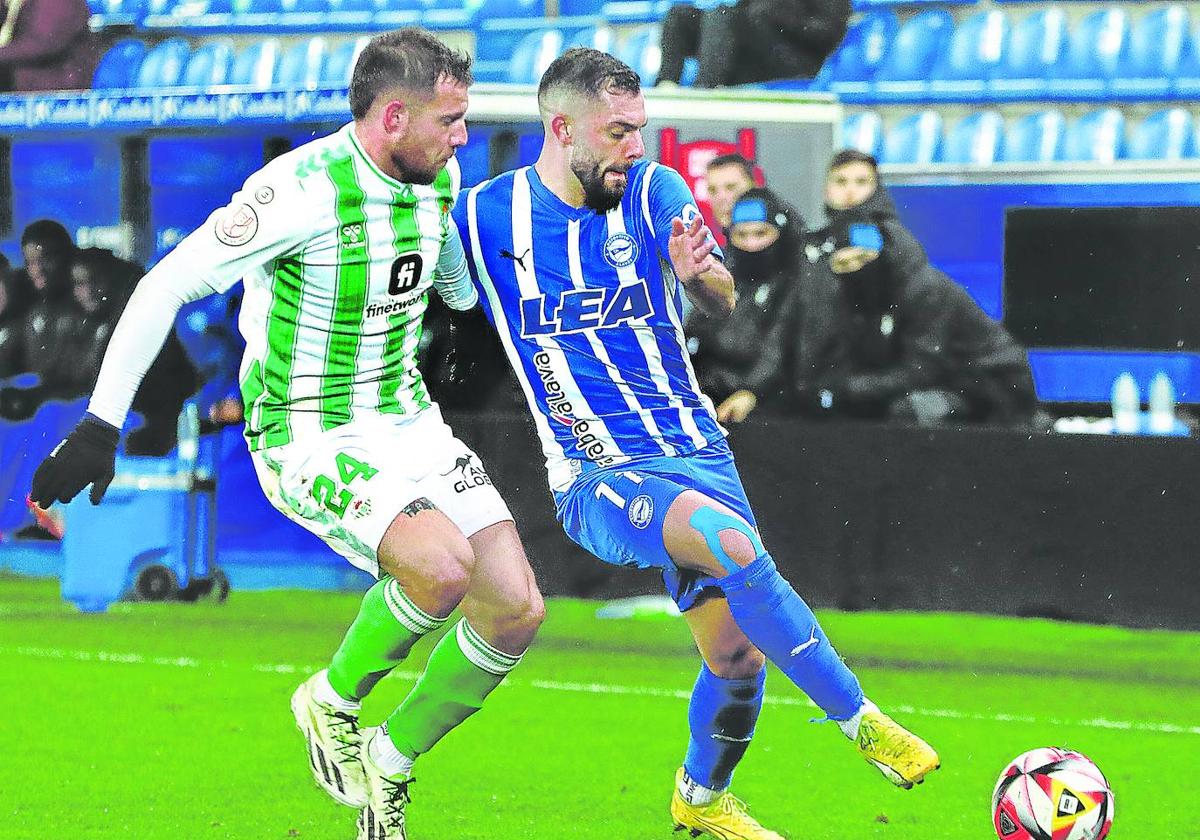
(883, 334)
(735, 358)
(752, 40)
(15, 297)
(46, 45)
(65, 334)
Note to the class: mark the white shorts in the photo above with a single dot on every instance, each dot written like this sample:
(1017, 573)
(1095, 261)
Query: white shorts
(348, 484)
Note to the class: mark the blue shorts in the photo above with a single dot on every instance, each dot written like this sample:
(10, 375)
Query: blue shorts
(617, 512)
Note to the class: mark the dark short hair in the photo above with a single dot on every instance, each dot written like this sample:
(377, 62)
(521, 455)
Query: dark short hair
(847, 156)
(733, 159)
(588, 72)
(410, 58)
(49, 234)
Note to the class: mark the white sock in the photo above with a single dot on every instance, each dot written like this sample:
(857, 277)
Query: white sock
(850, 727)
(324, 693)
(695, 793)
(385, 755)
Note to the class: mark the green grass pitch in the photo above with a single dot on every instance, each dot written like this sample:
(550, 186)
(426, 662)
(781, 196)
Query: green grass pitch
(171, 721)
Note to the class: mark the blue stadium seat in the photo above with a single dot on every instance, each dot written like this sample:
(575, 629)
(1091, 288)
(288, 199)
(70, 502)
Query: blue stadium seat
(572, 8)
(972, 56)
(1186, 84)
(533, 55)
(642, 50)
(1035, 45)
(340, 63)
(209, 65)
(106, 13)
(1035, 138)
(1095, 50)
(976, 140)
(119, 66)
(1096, 137)
(916, 139)
(904, 71)
(862, 131)
(601, 38)
(1158, 45)
(863, 49)
(163, 66)
(256, 65)
(1164, 135)
(302, 64)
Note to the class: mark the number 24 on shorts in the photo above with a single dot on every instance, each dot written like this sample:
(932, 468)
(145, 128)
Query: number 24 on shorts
(337, 499)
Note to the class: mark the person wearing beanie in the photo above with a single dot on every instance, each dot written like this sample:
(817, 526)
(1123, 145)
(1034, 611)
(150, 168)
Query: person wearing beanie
(739, 359)
(882, 334)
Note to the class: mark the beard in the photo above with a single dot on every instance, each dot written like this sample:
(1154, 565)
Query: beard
(416, 171)
(597, 195)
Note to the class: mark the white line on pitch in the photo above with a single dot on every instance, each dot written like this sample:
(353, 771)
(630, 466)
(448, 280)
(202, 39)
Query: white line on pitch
(590, 688)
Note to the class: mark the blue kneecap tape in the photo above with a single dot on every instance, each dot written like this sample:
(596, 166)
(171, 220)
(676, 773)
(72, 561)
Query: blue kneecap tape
(710, 523)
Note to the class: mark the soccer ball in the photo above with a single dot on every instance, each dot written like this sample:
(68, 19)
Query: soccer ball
(1052, 793)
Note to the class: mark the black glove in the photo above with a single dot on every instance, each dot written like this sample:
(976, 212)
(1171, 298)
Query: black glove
(86, 457)
(470, 340)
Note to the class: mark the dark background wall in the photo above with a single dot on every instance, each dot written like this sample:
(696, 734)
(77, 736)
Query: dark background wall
(1093, 528)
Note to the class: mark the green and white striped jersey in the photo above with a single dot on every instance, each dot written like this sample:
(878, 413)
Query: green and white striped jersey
(337, 260)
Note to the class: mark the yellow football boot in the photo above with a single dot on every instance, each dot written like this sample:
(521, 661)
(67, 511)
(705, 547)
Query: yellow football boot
(724, 818)
(898, 754)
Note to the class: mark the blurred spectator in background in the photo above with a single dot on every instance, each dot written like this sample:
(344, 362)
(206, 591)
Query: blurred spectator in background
(46, 45)
(739, 360)
(79, 295)
(752, 40)
(208, 331)
(883, 334)
(15, 297)
(726, 177)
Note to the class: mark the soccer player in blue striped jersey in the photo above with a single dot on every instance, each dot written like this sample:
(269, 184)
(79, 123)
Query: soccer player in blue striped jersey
(581, 261)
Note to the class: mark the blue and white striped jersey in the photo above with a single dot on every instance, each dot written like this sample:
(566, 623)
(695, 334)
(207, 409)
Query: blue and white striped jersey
(589, 312)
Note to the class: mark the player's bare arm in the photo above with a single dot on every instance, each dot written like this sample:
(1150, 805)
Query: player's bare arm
(705, 278)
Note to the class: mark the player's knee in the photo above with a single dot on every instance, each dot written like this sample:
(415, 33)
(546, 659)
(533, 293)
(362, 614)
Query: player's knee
(737, 661)
(738, 547)
(731, 542)
(450, 573)
(523, 621)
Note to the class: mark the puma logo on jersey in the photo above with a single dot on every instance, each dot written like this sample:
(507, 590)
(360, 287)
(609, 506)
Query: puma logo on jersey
(509, 255)
(586, 309)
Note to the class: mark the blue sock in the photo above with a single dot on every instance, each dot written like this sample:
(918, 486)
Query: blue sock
(721, 717)
(781, 625)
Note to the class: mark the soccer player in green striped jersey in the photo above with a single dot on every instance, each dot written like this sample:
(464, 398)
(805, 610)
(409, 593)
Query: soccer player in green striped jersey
(338, 244)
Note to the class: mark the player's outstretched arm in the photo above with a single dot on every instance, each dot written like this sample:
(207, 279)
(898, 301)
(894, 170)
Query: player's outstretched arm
(211, 259)
(705, 278)
(88, 453)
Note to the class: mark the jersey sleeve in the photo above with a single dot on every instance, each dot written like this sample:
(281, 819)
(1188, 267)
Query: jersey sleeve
(668, 198)
(269, 217)
(266, 219)
(451, 278)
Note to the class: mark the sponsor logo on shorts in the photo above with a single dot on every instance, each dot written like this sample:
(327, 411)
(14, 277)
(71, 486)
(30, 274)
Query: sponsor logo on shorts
(641, 511)
(264, 195)
(470, 475)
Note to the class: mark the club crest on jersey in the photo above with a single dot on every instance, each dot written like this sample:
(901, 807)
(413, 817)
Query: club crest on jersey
(620, 250)
(586, 309)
